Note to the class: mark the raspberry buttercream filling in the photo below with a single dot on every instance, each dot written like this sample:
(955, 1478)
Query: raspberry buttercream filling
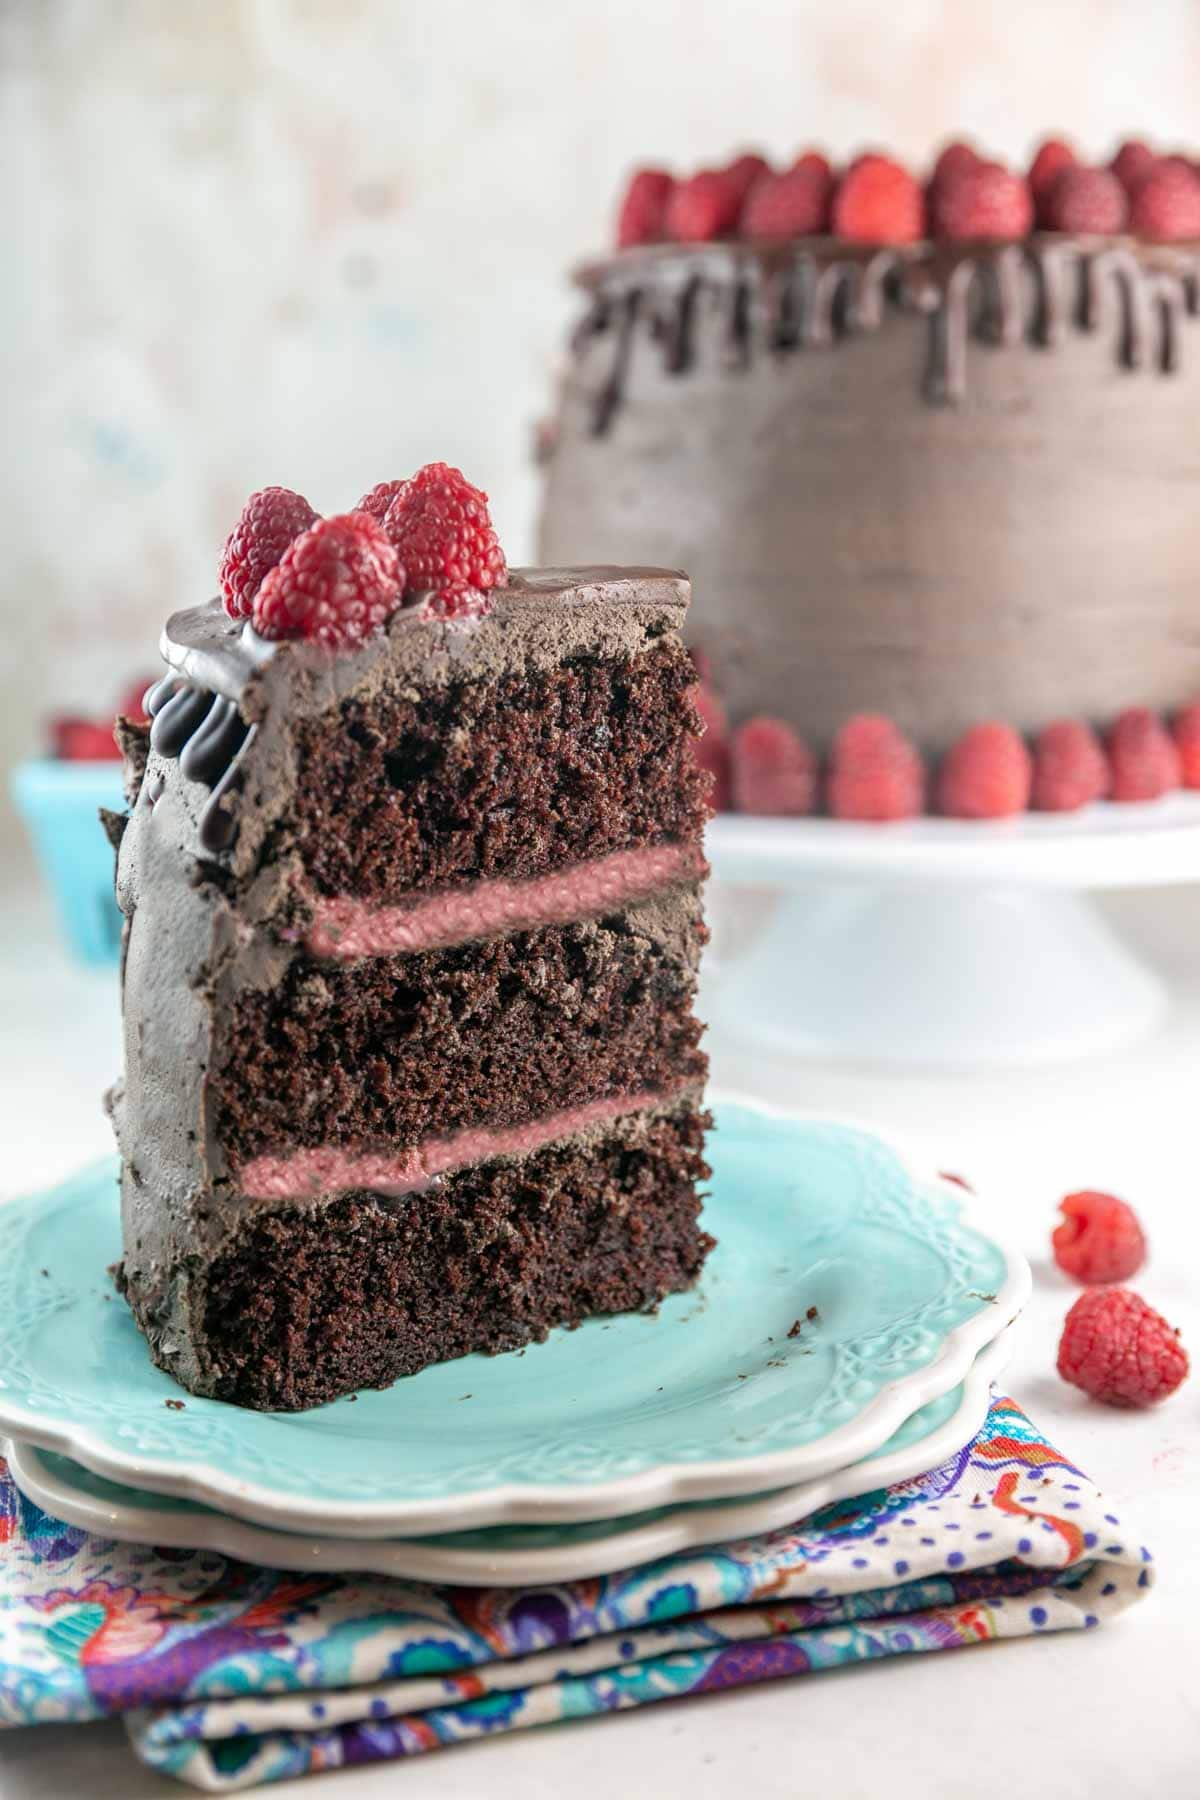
(344, 929)
(335, 1169)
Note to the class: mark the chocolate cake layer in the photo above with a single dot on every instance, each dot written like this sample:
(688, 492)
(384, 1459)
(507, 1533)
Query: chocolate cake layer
(391, 1050)
(306, 1304)
(944, 484)
(518, 776)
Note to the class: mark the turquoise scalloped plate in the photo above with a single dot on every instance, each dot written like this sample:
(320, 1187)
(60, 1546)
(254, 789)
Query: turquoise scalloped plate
(710, 1396)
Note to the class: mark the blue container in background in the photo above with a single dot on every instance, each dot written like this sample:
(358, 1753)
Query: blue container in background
(59, 802)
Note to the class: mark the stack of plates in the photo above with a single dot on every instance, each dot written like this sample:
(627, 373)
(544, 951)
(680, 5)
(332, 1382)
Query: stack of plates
(843, 1337)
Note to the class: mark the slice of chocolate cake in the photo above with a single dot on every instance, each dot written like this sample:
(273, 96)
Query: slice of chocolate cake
(412, 930)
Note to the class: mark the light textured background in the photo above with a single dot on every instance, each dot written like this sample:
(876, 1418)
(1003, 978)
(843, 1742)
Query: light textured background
(323, 241)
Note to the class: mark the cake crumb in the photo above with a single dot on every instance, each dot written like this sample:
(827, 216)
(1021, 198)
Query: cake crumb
(812, 1315)
(795, 1328)
(175, 1405)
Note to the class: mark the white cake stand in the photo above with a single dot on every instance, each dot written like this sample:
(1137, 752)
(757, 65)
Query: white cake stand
(944, 942)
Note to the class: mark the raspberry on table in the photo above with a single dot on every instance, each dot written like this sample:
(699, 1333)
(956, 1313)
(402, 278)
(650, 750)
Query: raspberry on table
(1053, 156)
(1085, 200)
(443, 533)
(875, 773)
(1143, 757)
(712, 750)
(82, 740)
(1165, 207)
(1119, 1350)
(1099, 1239)
(337, 585)
(987, 774)
(794, 203)
(1070, 768)
(877, 201)
(986, 202)
(1186, 733)
(1132, 163)
(703, 207)
(774, 771)
(271, 520)
(643, 215)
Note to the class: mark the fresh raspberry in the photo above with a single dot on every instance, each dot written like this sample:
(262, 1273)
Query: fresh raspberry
(793, 204)
(987, 774)
(815, 163)
(1070, 769)
(712, 750)
(443, 532)
(1144, 761)
(643, 215)
(1132, 163)
(380, 499)
(774, 771)
(336, 585)
(878, 202)
(744, 174)
(1099, 1239)
(82, 740)
(271, 520)
(1053, 156)
(1085, 199)
(1165, 207)
(988, 202)
(956, 158)
(1119, 1350)
(1186, 732)
(704, 207)
(874, 772)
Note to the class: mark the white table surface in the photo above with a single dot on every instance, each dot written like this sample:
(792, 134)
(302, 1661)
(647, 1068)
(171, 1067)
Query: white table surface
(1115, 1712)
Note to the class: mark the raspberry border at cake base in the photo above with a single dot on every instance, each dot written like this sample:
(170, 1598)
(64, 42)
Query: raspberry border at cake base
(940, 942)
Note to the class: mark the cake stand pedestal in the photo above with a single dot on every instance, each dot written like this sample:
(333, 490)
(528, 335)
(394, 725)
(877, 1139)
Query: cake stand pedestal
(941, 942)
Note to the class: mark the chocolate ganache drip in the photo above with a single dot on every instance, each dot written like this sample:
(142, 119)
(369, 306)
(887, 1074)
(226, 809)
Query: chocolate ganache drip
(208, 735)
(737, 303)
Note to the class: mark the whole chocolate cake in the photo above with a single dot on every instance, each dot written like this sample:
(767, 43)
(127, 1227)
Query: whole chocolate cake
(922, 457)
(411, 882)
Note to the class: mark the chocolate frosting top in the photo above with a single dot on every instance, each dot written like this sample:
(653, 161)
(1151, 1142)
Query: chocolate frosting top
(536, 620)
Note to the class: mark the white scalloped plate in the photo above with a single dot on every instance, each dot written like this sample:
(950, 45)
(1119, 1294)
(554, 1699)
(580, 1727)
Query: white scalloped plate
(711, 1396)
(510, 1555)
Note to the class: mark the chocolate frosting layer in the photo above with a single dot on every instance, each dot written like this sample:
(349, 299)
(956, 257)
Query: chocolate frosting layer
(208, 913)
(945, 484)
